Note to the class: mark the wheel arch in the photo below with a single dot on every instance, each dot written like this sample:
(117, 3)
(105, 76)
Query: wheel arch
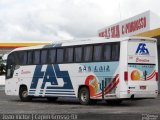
(23, 93)
(21, 86)
(81, 86)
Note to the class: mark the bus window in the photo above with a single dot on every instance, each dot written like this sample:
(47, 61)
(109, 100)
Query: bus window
(36, 57)
(107, 52)
(11, 59)
(97, 56)
(115, 51)
(88, 53)
(44, 56)
(78, 54)
(24, 61)
(52, 56)
(10, 65)
(69, 55)
(30, 57)
(21, 58)
(60, 54)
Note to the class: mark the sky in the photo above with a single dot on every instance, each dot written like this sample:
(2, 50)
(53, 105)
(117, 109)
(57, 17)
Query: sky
(53, 20)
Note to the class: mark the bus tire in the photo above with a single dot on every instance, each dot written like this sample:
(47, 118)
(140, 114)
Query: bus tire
(84, 96)
(52, 99)
(23, 94)
(114, 102)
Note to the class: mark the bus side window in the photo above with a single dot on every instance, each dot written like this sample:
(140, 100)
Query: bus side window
(30, 58)
(107, 52)
(88, 53)
(24, 57)
(97, 56)
(60, 55)
(52, 56)
(115, 51)
(10, 66)
(78, 54)
(69, 55)
(36, 57)
(44, 56)
(21, 58)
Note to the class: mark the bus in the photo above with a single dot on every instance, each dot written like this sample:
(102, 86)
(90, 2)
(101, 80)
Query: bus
(89, 69)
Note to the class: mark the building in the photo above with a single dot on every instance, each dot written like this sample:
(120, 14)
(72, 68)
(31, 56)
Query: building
(10, 45)
(146, 24)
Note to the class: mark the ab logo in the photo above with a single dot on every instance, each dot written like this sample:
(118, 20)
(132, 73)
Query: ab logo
(142, 50)
(51, 75)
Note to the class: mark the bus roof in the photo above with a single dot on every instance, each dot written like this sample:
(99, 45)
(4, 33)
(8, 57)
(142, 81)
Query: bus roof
(83, 41)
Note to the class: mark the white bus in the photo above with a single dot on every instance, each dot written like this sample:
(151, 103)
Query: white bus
(92, 69)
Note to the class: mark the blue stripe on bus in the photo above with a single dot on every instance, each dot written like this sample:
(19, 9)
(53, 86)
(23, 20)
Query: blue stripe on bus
(54, 90)
(60, 93)
(51, 91)
(32, 90)
(57, 93)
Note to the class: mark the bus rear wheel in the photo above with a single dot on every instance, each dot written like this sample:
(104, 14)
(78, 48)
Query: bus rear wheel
(23, 94)
(84, 96)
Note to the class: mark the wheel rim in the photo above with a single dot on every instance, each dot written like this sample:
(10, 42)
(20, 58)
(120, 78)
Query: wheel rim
(84, 96)
(24, 94)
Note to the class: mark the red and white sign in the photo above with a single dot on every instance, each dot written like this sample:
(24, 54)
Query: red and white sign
(141, 59)
(129, 27)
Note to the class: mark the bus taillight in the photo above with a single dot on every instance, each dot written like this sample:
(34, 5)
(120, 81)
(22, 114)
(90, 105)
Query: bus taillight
(156, 76)
(126, 76)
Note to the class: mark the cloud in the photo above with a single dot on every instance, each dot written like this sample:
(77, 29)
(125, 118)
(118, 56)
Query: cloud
(43, 20)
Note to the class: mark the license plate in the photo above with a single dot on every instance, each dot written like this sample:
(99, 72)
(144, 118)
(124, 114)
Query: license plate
(142, 87)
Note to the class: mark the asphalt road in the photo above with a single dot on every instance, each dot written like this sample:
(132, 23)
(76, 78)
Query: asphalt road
(41, 109)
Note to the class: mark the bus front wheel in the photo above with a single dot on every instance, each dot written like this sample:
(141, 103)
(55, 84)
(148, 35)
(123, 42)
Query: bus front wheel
(84, 96)
(23, 94)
